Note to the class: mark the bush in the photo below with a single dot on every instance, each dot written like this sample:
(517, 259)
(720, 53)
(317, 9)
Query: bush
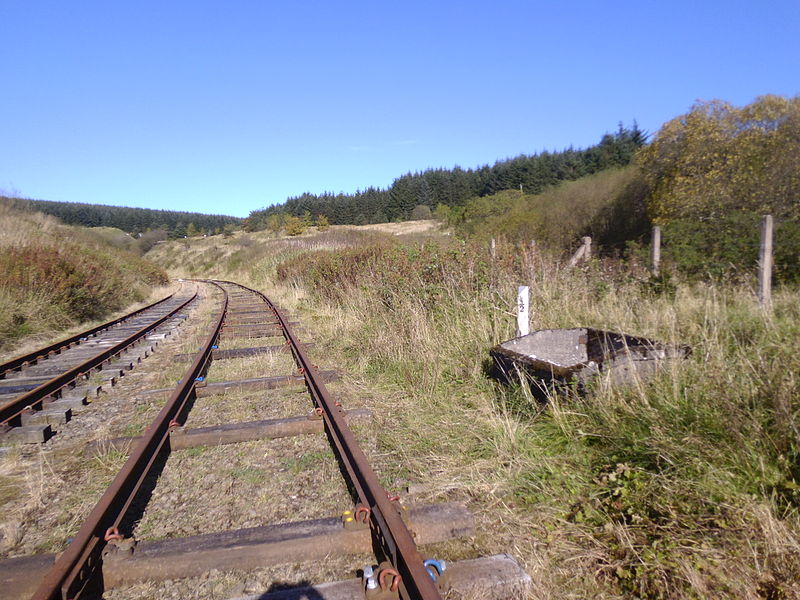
(421, 212)
(728, 247)
(425, 271)
(787, 252)
(150, 238)
(322, 223)
(294, 225)
(609, 206)
(718, 159)
(87, 285)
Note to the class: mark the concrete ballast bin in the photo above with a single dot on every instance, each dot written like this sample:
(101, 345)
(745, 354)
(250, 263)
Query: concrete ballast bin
(566, 355)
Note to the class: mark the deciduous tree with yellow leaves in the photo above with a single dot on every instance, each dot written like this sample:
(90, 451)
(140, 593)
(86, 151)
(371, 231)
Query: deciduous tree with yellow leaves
(718, 159)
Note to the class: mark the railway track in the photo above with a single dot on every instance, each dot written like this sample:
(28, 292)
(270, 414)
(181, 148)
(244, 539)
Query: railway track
(370, 524)
(39, 391)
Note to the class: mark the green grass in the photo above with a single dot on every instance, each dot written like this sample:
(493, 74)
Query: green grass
(684, 486)
(195, 451)
(251, 475)
(133, 430)
(306, 461)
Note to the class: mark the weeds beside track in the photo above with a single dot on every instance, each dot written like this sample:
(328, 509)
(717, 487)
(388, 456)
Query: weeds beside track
(110, 521)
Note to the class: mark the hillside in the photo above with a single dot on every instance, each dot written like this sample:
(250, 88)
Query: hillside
(609, 206)
(53, 276)
(175, 224)
(252, 256)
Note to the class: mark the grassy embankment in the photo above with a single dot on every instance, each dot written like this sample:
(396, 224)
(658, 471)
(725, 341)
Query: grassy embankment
(608, 205)
(682, 487)
(53, 276)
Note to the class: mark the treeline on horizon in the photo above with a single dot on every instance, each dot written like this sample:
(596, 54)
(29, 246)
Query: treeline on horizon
(454, 187)
(175, 223)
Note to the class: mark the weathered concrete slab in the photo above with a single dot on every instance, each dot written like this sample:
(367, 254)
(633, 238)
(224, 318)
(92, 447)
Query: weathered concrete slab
(583, 352)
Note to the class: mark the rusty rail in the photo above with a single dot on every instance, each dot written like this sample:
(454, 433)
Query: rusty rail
(12, 410)
(72, 569)
(388, 527)
(20, 361)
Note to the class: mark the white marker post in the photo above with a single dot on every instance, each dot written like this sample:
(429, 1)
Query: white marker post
(655, 251)
(523, 296)
(765, 263)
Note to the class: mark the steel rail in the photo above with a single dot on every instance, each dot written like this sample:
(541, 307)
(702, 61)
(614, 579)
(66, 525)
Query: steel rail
(393, 534)
(19, 361)
(73, 567)
(13, 409)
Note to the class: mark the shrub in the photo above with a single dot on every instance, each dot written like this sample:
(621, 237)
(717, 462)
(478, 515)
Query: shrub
(294, 225)
(322, 223)
(421, 212)
(728, 247)
(718, 159)
(608, 205)
(427, 271)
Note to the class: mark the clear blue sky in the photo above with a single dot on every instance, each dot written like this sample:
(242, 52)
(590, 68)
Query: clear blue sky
(225, 107)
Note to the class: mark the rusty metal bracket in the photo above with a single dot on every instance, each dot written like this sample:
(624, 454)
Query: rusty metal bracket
(382, 583)
(356, 519)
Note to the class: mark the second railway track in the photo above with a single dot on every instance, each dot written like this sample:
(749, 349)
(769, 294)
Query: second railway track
(40, 390)
(254, 478)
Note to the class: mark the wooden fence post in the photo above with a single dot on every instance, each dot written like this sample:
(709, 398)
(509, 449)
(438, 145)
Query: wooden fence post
(765, 263)
(493, 249)
(584, 253)
(655, 251)
(523, 321)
